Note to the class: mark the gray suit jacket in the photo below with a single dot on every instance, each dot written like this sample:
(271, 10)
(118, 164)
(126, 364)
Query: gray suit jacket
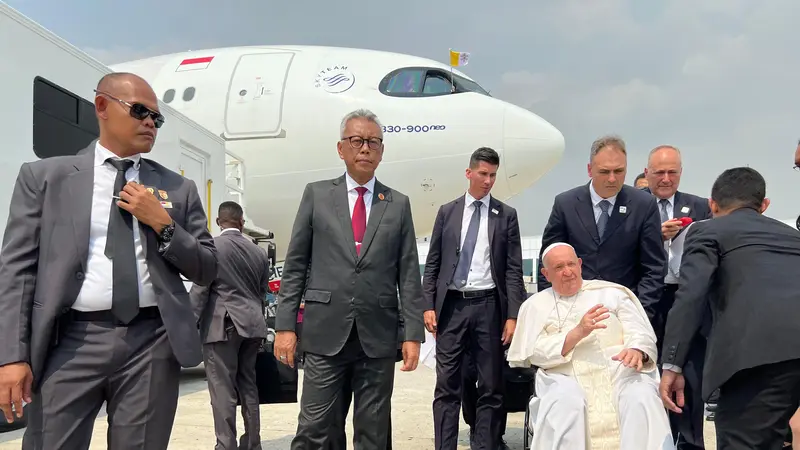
(344, 289)
(46, 246)
(239, 291)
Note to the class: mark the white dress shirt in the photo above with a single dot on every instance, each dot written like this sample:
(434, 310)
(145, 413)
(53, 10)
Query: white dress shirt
(352, 194)
(596, 199)
(96, 291)
(480, 271)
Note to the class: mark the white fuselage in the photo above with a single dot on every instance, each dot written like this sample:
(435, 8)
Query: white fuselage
(279, 110)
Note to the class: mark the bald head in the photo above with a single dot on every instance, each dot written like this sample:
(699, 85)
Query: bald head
(663, 172)
(126, 108)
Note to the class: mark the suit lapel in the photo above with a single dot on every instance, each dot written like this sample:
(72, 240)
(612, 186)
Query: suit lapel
(494, 205)
(616, 218)
(342, 207)
(148, 176)
(377, 210)
(457, 219)
(678, 206)
(585, 211)
(80, 187)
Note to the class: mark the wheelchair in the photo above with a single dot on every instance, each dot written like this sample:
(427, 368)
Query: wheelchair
(520, 386)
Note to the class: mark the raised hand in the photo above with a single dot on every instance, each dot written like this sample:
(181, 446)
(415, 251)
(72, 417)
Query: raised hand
(591, 320)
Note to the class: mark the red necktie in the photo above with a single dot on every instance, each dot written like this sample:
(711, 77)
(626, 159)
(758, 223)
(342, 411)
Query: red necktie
(359, 218)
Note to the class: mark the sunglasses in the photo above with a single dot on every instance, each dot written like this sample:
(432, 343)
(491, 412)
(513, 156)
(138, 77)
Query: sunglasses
(137, 110)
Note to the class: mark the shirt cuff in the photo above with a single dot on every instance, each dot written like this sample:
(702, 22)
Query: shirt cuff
(671, 367)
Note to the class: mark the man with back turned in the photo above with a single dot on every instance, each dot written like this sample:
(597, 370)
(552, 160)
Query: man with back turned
(745, 266)
(473, 291)
(353, 259)
(93, 309)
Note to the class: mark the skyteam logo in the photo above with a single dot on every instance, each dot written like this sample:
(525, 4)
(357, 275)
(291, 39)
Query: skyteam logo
(335, 80)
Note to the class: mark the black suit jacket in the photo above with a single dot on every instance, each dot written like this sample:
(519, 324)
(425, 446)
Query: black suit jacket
(698, 208)
(632, 252)
(751, 264)
(505, 255)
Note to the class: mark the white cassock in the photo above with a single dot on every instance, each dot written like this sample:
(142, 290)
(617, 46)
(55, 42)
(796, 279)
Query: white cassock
(586, 399)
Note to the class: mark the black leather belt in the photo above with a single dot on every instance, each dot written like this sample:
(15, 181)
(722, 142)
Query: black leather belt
(150, 312)
(470, 294)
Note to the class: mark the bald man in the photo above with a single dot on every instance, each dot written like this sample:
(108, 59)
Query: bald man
(92, 305)
(663, 173)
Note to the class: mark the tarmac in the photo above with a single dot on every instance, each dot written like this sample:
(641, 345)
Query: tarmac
(412, 419)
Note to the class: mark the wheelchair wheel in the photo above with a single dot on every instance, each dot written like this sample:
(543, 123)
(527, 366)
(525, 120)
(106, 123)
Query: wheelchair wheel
(527, 435)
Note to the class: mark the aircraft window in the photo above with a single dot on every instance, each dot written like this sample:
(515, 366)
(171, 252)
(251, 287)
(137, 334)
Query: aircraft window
(437, 84)
(465, 85)
(188, 94)
(405, 82)
(63, 123)
(169, 95)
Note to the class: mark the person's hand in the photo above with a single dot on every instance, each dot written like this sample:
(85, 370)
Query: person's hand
(143, 205)
(672, 383)
(429, 317)
(15, 387)
(631, 357)
(285, 346)
(508, 330)
(670, 228)
(591, 320)
(410, 355)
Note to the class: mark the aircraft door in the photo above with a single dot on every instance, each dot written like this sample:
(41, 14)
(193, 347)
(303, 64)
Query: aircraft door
(255, 96)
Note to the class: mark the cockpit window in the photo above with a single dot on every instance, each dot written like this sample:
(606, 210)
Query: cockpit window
(426, 82)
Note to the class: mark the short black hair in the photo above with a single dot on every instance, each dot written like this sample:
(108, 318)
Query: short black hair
(638, 177)
(485, 154)
(230, 212)
(739, 187)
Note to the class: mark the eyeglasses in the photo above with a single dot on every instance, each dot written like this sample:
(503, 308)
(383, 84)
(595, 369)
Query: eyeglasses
(357, 142)
(138, 111)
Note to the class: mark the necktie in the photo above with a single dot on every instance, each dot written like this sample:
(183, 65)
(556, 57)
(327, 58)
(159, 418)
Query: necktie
(603, 220)
(359, 218)
(119, 248)
(664, 215)
(465, 258)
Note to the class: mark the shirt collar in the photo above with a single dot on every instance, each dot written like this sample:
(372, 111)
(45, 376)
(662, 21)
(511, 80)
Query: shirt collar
(469, 200)
(671, 200)
(596, 199)
(230, 229)
(101, 154)
(352, 184)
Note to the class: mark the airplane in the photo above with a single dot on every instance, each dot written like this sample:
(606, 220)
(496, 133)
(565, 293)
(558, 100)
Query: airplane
(279, 108)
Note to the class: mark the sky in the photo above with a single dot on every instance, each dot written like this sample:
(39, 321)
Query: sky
(716, 78)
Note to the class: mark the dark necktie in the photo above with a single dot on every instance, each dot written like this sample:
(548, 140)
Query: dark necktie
(468, 249)
(120, 248)
(359, 218)
(602, 221)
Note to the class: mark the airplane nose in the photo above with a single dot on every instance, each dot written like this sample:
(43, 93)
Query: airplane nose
(532, 146)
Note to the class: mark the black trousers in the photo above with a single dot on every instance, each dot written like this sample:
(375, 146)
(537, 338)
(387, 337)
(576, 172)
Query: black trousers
(472, 324)
(755, 406)
(687, 427)
(469, 395)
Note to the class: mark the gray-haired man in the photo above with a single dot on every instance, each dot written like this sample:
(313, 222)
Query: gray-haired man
(352, 250)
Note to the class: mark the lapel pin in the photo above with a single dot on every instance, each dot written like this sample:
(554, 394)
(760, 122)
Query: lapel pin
(685, 209)
(494, 211)
(381, 197)
(623, 209)
(163, 194)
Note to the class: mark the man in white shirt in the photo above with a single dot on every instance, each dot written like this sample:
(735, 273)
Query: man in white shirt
(597, 383)
(473, 289)
(93, 309)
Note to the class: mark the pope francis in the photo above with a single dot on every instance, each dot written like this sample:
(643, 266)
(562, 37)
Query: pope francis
(597, 383)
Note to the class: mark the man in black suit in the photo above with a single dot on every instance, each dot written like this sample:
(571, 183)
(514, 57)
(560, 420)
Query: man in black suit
(663, 172)
(473, 289)
(230, 314)
(745, 266)
(614, 228)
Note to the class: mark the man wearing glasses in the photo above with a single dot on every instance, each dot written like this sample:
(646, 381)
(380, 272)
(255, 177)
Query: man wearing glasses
(352, 259)
(92, 306)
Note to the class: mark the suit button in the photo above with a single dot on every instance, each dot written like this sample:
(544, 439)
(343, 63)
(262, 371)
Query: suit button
(353, 301)
(79, 275)
(358, 269)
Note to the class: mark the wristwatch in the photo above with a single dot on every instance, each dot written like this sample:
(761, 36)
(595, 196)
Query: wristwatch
(166, 233)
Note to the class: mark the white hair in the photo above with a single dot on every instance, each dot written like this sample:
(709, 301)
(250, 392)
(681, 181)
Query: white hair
(551, 247)
(360, 114)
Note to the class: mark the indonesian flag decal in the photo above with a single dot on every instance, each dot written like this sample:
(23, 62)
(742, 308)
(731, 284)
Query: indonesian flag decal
(194, 64)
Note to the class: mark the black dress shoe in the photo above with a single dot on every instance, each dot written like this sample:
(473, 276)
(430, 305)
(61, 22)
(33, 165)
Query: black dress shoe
(503, 445)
